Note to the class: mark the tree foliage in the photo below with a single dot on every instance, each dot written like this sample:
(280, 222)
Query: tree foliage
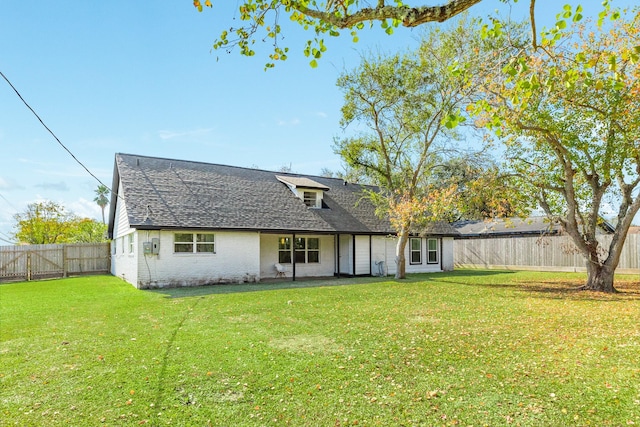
(406, 109)
(261, 20)
(481, 190)
(569, 115)
(101, 199)
(50, 223)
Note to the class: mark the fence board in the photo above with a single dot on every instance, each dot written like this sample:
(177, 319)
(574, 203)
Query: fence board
(30, 262)
(549, 253)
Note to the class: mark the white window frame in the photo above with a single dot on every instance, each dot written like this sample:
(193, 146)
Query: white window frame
(433, 252)
(130, 243)
(284, 250)
(308, 200)
(286, 245)
(196, 245)
(413, 251)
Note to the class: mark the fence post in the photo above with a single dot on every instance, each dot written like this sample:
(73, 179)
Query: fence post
(64, 261)
(28, 266)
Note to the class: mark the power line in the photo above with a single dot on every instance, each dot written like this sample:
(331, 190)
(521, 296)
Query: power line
(50, 131)
(8, 202)
(3, 239)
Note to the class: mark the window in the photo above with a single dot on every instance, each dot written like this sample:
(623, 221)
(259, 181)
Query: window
(130, 237)
(306, 250)
(313, 250)
(415, 246)
(194, 243)
(122, 244)
(284, 250)
(432, 251)
(310, 199)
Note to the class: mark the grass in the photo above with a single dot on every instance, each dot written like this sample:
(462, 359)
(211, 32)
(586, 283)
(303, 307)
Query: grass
(468, 348)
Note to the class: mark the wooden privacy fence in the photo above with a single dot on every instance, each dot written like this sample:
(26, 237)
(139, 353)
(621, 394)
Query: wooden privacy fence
(32, 262)
(548, 253)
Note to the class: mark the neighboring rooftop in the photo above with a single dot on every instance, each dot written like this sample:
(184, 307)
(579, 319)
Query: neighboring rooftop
(514, 227)
(501, 227)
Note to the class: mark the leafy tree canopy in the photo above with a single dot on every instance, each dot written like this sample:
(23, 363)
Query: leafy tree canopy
(568, 112)
(406, 109)
(50, 223)
(261, 20)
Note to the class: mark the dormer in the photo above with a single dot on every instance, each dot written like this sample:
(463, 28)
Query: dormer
(309, 191)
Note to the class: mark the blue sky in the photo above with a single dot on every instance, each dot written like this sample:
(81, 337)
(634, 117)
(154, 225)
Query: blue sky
(140, 77)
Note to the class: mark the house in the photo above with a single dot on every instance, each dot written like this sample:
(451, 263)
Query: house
(185, 223)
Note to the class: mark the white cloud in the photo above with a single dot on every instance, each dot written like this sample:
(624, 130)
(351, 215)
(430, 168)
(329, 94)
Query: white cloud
(168, 134)
(58, 186)
(8, 184)
(292, 122)
(87, 209)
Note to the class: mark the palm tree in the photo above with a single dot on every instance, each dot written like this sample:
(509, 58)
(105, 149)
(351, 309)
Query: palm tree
(101, 198)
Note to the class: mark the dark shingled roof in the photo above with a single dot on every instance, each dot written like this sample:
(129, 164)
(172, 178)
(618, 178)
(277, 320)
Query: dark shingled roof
(166, 193)
(500, 227)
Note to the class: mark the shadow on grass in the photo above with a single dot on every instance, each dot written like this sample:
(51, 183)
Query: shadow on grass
(162, 376)
(568, 287)
(276, 284)
(554, 288)
(571, 289)
(266, 285)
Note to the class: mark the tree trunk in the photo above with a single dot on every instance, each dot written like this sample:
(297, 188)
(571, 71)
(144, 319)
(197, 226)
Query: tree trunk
(599, 278)
(401, 262)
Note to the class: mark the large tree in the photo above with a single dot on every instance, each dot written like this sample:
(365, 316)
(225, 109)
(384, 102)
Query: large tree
(49, 222)
(569, 115)
(405, 109)
(43, 223)
(260, 20)
(87, 230)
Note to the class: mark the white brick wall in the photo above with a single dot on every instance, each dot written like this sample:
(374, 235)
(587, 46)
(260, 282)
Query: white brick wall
(237, 260)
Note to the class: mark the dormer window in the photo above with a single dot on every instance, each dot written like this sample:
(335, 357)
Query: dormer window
(310, 199)
(309, 191)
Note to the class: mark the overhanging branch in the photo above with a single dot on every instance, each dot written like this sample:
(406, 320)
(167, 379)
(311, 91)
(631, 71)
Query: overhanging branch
(409, 16)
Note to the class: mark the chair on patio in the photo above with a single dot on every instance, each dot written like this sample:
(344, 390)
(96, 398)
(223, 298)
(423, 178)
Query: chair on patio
(280, 270)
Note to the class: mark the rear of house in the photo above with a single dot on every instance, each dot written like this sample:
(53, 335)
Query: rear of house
(182, 223)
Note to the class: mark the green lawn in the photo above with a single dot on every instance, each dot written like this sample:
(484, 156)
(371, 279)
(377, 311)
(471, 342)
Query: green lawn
(469, 348)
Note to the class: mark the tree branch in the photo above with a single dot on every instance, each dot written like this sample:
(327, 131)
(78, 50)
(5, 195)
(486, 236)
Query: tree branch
(409, 16)
(532, 17)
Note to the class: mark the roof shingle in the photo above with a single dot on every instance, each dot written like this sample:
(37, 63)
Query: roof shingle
(166, 193)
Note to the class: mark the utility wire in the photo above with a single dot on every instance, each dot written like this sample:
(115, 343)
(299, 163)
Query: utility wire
(50, 131)
(4, 236)
(2, 239)
(8, 202)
